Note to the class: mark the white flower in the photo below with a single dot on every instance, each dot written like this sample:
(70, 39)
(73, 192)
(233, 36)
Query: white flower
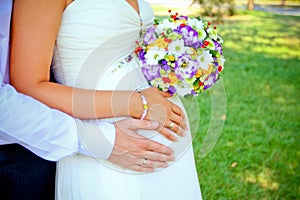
(154, 54)
(186, 67)
(166, 24)
(221, 61)
(204, 60)
(195, 23)
(183, 89)
(177, 47)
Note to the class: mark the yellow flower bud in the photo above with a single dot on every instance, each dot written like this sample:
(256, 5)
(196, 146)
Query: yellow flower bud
(199, 73)
(171, 58)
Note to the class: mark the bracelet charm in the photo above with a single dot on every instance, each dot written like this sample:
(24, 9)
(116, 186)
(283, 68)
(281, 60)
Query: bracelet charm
(145, 104)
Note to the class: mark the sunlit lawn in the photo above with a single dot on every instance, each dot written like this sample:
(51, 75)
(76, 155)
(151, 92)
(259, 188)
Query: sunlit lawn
(258, 153)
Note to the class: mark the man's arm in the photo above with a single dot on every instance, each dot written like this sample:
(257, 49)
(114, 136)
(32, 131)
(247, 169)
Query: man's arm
(53, 135)
(138, 153)
(49, 133)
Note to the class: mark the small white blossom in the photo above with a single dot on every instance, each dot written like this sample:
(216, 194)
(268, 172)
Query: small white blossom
(195, 23)
(165, 24)
(205, 59)
(154, 54)
(221, 61)
(183, 89)
(177, 47)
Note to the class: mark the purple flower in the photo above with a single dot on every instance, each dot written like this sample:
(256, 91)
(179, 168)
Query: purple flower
(216, 63)
(218, 47)
(141, 56)
(151, 71)
(172, 90)
(190, 36)
(185, 67)
(183, 17)
(193, 92)
(210, 80)
(150, 37)
(164, 65)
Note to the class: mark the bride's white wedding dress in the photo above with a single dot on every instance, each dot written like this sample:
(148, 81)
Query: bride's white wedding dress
(92, 48)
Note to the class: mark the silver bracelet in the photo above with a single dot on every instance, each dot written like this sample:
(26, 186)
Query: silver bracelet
(145, 104)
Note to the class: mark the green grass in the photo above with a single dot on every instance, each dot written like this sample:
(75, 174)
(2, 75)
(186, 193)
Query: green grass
(261, 131)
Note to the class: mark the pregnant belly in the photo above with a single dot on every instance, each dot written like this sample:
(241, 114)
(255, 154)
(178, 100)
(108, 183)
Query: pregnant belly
(123, 75)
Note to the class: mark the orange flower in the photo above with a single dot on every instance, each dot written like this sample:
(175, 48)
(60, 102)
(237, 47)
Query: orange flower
(160, 43)
(199, 73)
(173, 78)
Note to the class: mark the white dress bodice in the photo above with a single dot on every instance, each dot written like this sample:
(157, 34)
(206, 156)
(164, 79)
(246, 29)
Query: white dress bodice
(99, 27)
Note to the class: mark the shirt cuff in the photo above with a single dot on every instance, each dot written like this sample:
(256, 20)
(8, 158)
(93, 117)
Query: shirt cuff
(96, 138)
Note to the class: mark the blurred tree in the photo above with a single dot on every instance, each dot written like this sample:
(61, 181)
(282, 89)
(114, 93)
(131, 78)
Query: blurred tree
(218, 8)
(250, 4)
(282, 2)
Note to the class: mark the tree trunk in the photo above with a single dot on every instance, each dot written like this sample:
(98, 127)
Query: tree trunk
(282, 2)
(250, 5)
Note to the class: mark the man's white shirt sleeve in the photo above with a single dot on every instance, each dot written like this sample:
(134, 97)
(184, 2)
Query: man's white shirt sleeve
(50, 133)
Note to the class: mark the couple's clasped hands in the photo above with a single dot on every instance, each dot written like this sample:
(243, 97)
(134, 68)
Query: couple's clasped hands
(138, 153)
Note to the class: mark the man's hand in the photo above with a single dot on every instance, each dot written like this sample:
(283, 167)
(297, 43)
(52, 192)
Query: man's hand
(135, 152)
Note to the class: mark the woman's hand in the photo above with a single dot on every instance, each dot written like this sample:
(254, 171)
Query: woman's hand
(160, 109)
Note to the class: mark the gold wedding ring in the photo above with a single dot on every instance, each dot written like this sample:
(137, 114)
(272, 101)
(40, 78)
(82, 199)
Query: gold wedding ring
(171, 125)
(145, 161)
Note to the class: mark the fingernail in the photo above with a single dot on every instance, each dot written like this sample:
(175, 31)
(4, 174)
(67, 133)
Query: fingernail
(154, 124)
(183, 134)
(172, 159)
(172, 151)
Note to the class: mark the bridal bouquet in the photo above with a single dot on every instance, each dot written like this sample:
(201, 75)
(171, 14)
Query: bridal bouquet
(181, 55)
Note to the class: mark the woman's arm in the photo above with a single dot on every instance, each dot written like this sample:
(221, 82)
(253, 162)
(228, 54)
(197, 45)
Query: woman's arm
(35, 25)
